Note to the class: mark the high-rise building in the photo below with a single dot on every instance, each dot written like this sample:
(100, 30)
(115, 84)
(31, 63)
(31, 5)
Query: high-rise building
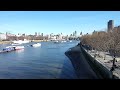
(41, 34)
(23, 34)
(81, 33)
(73, 33)
(35, 33)
(119, 27)
(110, 25)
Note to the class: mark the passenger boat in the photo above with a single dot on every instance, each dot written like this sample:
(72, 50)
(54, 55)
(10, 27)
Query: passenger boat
(8, 49)
(19, 47)
(20, 41)
(64, 41)
(36, 45)
(56, 41)
(16, 44)
(16, 47)
(11, 48)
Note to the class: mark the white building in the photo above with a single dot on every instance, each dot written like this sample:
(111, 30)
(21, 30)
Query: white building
(3, 36)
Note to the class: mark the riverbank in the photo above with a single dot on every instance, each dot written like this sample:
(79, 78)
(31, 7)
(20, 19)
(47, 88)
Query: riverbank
(5, 42)
(9, 42)
(80, 64)
(107, 62)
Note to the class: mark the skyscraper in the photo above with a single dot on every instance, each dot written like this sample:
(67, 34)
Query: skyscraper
(41, 34)
(110, 25)
(81, 33)
(35, 33)
(75, 33)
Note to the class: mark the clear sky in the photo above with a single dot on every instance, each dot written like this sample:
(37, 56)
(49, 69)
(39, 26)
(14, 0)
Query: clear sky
(56, 22)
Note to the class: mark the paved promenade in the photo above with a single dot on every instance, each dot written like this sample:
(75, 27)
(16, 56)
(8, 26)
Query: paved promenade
(107, 62)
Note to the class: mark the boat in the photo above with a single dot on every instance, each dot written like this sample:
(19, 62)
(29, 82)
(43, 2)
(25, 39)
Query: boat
(70, 41)
(8, 49)
(56, 41)
(11, 48)
(16, 47)
(20, 41)
(16, 44)
(63, 41)
(36, 45)
(19, 47)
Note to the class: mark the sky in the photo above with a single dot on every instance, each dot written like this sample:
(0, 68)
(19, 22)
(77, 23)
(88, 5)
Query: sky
(55, 22)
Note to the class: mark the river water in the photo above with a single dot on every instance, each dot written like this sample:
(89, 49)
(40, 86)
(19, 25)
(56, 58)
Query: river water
(45, 62)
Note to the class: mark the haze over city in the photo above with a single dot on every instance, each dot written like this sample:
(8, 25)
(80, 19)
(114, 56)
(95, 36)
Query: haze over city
(56, 22)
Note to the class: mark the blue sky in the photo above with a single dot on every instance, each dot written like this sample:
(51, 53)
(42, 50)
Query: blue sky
(56, 22)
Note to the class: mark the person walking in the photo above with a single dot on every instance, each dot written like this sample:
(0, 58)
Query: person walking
(113, 65)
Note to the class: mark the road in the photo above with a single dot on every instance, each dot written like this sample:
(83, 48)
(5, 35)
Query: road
(80, 64)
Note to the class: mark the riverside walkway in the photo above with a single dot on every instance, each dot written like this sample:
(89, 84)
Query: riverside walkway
(107, 62)
(81, 66)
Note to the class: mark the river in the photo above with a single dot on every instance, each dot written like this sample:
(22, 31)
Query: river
(45, 62)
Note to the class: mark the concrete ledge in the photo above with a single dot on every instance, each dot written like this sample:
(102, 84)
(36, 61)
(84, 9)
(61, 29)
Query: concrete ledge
(81, 66)
(98, 68)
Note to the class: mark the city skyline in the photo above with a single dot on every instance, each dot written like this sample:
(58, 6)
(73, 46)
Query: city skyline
(56, 22)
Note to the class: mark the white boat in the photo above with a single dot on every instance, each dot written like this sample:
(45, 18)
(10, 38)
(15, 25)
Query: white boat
(57, 41)
(70, 41)
(19, 47)
(16, 44)
(20, 41)
(64, 41)
(16, 47)
(36, 45)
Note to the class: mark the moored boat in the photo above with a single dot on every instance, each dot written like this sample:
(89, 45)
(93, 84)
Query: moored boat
(36, 45)
(16, 44)
(16, 47)
(20, 41)
(11, 48)
(63, 41)
(56, 41)
(19, 47)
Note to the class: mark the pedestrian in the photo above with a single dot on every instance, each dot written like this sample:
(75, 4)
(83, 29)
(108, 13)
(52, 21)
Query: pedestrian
(114, 65)
(114, 60)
